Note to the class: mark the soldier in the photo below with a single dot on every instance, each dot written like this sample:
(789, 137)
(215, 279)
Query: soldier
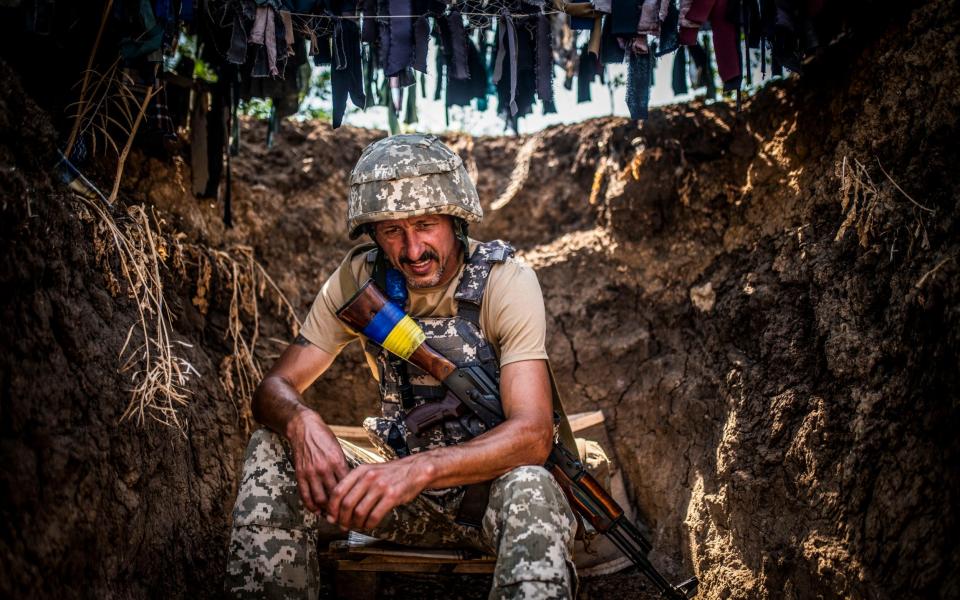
(477, 305)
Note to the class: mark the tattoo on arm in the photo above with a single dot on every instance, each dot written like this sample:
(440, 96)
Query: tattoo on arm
(301, 341)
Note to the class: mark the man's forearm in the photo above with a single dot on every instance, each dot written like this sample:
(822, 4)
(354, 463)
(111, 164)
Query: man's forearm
(511, 444)
(275, 404)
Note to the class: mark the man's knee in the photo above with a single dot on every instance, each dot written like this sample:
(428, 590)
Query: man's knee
(529, 500)
(268, 492)
(531, 487)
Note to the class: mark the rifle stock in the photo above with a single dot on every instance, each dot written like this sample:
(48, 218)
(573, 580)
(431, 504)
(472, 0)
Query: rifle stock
(369, 312)
(360, 312)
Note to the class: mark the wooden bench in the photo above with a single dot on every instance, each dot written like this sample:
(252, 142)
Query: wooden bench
(357, 560)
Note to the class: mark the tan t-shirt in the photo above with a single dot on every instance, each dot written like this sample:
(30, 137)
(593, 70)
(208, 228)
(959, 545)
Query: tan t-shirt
(511, 314)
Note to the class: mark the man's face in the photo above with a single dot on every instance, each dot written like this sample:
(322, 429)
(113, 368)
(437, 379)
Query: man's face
(424, 249)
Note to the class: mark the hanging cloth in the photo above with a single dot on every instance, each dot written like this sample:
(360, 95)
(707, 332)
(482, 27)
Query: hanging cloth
(725, 36)
(669, 30)
(625, 16)
(263, 34)
(638, 85)
(400, 33)
(346, 77)
(460, 92)
(507, 29)
(611, 51)
(198, 143)
(680, 71)
(649, 18)
(544, 65)
(586, 71)
(237, 54)
(421, 41)
(456, 42)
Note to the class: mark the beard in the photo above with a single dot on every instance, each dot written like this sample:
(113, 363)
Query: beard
(424, 281)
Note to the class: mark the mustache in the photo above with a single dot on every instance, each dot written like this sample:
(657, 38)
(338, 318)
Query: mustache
(427, 255)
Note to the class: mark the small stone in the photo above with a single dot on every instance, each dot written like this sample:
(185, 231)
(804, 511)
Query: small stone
(703, 297)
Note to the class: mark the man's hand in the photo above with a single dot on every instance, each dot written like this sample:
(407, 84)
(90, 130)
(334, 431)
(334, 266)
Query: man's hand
(364, 497)
(317, 459)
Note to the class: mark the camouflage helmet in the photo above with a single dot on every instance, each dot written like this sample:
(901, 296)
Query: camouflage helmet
(405, 176)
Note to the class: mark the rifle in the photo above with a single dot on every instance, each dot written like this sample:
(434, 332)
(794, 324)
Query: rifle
(382, 322)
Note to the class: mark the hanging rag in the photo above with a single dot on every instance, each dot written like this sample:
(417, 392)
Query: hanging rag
(400, 49)
(611, 49)
(460, 92)
(199, 156)
(544, 65)
(287, 20)
(264, 35)
(669, 30)
(603, 6)
(371, 32)
(410, 112)
(586, 72)
(237, 53)
(649, 22)
(679, 80)
(455, 41)
(638, 84)
(346, 77)
(507, 29)
(693, 14)
(625, 16)
(421, 38)
(322, 50)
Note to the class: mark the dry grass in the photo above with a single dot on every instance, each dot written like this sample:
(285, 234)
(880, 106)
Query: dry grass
(132, 245)
(859, 199)
(105, 108)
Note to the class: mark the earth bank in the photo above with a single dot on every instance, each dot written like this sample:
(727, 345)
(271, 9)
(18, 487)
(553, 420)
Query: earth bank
(764, 305)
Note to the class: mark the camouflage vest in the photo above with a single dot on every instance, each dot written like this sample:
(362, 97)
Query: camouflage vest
(459, 338)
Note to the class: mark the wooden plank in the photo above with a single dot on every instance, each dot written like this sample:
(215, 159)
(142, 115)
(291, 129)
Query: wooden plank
(358, 435)
(376, 566)
(581, 421)
(356, 585)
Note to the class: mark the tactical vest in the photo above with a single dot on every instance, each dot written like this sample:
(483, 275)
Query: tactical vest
(458, 338)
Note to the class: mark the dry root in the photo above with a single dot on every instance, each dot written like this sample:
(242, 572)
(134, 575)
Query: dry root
(864, 204)
(158, 372)
(133, 245)
(243, 283)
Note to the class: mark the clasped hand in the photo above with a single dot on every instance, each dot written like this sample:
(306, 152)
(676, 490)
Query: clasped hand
(359, 498)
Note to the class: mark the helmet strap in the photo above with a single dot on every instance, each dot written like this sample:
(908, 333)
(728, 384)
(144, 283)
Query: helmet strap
(460, 229)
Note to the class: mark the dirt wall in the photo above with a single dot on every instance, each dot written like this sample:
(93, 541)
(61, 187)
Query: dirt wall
(779, 369)
(768, 321)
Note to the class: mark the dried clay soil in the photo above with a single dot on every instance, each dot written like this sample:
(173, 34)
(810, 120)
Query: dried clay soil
(763, 304)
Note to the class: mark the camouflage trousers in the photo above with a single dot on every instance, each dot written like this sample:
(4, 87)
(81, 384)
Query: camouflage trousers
(273, 546)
